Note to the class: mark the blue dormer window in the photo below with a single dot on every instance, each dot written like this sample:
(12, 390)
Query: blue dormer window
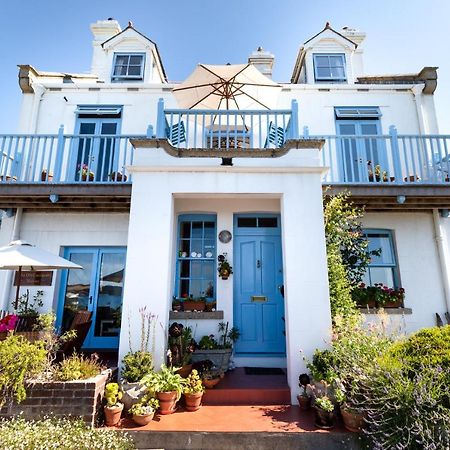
(329, 68)
(128, 67)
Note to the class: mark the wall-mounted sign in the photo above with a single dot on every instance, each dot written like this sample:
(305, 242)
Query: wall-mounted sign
(34, 278)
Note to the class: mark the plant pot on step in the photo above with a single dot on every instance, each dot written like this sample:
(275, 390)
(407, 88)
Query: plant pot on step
(184, 371)
(143, 419)
(353, 419)
(167, 402)
(112, 414)
(132, 393)
(193, 401)
(210, 383)
(323, 419)
(304, 402)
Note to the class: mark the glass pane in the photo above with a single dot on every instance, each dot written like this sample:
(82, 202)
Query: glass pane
(184, 269)
(122, 60)
(267, 222)
(87, 128)
(323, 72)
(185, 229)
(322, 61)
(383, 275)
(209, 249)
(109, 128)
(136, 60)
(197, 229)
(184, 288)
(208, 270)
(337, 72)
(109, 302)
(381, 242)
(78, 288)
(185, 248)
(336, 61)
(208, 289)
(347, 129)
(196, 269)
(247, 222)
(196, 288)
(134, 70)
(196, 248)
(209, 230)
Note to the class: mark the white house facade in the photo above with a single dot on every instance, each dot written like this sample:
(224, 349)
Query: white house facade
(108, 171)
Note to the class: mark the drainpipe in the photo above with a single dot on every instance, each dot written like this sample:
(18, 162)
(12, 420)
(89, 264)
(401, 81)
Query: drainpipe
(15, 235)
(441, 242)
(38, 94)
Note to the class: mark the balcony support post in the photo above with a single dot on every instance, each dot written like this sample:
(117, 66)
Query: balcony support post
(160, 121)
(294, 120)
(395, 154)
(59, 155)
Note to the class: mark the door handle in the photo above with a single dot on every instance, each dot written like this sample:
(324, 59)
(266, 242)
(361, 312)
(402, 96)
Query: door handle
(258, 264)
(90, 299)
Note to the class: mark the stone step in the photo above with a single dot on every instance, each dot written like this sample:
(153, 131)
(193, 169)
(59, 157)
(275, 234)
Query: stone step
(246, 396)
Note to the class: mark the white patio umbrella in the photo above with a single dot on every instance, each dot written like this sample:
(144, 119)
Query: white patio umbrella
(238, 86)
(20, 255)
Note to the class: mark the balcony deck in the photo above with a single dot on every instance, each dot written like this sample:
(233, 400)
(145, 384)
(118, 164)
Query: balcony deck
(90, 172)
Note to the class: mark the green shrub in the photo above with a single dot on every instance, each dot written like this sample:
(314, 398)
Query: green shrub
(62, 434)
(78, 367)
(19, 361)
(136, 365)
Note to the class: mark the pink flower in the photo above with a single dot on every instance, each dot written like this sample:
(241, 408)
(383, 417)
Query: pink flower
(8, 323)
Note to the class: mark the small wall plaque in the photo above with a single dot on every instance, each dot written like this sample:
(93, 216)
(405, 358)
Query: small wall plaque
(225, 236)
(34, 278)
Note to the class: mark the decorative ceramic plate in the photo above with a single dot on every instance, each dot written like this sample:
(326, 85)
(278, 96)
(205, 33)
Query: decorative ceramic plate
(199, 255)
(194, 254)
(225, 236)
(208, 254)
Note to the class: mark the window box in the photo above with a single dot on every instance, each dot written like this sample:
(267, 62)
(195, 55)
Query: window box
(192, 305)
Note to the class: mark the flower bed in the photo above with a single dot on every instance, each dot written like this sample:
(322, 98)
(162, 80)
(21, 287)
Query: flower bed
(81, 398)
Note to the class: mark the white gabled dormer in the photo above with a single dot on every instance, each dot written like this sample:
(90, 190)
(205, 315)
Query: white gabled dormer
(124, 56)
(330, 57)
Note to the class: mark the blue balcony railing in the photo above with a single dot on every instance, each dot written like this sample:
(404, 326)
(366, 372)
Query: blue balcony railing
(387, 159)
(227, 129)
(64, 158)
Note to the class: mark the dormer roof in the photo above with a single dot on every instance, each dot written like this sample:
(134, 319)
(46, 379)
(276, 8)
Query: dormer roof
(330, 30)
(114, 40)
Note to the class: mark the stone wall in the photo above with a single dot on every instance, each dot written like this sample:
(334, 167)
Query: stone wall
(81, 398)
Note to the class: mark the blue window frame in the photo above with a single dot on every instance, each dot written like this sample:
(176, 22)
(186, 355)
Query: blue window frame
(382, 268)
(329, 67)
(196, 256)
(128, 67)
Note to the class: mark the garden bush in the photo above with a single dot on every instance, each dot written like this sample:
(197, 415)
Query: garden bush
(63, 434)
(78, 367)
(19, 361)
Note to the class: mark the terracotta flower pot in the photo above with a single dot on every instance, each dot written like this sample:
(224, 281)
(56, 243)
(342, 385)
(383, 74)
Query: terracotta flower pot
(112, 414)
(304, 402)
(353, 420)
(167, 402)
(209, 384)
(324, 419)
(184, 371)
(144, 419)
(193, 401)
(189, 305)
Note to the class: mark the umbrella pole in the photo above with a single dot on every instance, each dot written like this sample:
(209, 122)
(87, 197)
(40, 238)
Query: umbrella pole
(19, 276)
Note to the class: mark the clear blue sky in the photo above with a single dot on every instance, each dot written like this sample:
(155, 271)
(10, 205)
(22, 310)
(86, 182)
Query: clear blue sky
(402, 36)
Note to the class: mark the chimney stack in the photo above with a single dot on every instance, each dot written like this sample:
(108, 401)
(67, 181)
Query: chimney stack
(354, 35)
(263, 61)
(105, 29)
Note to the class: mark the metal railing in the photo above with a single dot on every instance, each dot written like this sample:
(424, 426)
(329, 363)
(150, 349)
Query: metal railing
(227, 129)
(386, 159)
(60, 158)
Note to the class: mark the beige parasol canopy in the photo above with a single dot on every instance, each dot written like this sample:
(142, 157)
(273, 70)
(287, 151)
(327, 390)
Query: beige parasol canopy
(20, 255)
(234, 87)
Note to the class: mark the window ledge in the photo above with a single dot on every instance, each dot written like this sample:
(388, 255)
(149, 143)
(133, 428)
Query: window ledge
(393, 311)
(200, 315)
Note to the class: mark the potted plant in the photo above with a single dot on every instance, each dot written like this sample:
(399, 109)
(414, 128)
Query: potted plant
(224, 268)
(84, 173)
(193, 391)
(194, 304)
(176, 304)
(113, 408)
(218, 351)
(211, 377)
(352, 417)
(168, 386)
(324, 412)
(144, 411)
(304, 398)
(181, 346)
(376, 175)
(117, 176)
(46, 175)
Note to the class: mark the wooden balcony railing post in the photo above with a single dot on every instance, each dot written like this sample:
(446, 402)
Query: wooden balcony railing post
(59, 155)
(161, 120)
(395, 153)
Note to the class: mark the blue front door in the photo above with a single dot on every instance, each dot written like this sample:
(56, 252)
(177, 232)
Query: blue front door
(258, 286)
(98, 288)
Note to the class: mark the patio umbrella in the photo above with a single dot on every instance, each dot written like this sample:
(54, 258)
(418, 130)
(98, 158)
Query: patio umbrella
(20, 255)
(238, 86)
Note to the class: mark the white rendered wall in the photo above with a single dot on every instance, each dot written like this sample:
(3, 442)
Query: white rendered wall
(418, 263)
(52, 232)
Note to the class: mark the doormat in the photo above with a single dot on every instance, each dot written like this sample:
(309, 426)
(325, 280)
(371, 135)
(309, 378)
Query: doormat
(263, 371)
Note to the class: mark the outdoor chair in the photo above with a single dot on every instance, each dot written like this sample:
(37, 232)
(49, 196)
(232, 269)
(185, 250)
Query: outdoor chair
(81, 323)
(276, 135)
(176, 134)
